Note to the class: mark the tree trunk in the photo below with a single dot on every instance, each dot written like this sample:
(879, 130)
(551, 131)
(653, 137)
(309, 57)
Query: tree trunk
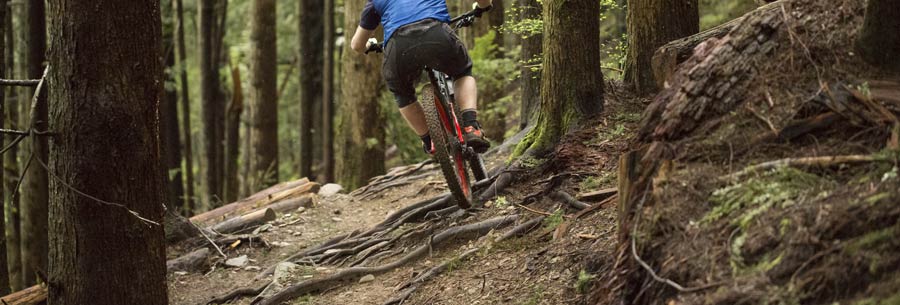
(530, 76)
(4, 269)
(171, 144)
(328, 92)
(311, 31)
(360, 150)
(212, 106)
(651, 24)
(879, 40)
(264, 93)
(185, 114)
(106, 146)
(11, 164)
(34, 188)
(232, 136)
(572, 82)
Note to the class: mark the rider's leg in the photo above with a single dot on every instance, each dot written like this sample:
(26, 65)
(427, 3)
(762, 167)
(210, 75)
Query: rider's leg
(466, 92)
(415, 117)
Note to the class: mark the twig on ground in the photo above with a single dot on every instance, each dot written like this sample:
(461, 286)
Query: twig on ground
(563, 228)
(19, 82)
(805, 161)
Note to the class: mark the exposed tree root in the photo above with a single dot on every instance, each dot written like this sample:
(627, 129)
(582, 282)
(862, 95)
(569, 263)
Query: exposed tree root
(354, 273)
(563, 197)
(809, 161)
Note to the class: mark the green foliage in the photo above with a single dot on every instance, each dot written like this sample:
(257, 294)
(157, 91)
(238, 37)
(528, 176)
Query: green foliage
(554, 220)
(409, 146)
(715, 12)
(589, 183)
(781, 187)
(583, 280)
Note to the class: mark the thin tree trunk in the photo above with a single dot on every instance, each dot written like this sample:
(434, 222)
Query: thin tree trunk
(879, 41)
(209, 85)
(11, 164)
(572, 82)
(232, 136)
(328, 92)
(311, 30)
(171, 144)
(651, 24)
(185, 113)
(360, 152)
(106, 143)
(530, 76)
(264, 92)
(34, 189)
(4, 269)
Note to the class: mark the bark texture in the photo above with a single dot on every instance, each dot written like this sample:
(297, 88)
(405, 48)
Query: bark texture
(311, 31)
(106, 146)
(572, 83)
(264, 93)
(707, 90)
(10, 159)
(232, 134)
(879, 41)
(531, 52)
(360, 144)
(327, 171)
(651, 24)
(34, 188)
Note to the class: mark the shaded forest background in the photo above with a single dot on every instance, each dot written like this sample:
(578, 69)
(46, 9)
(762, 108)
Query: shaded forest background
(507, 66)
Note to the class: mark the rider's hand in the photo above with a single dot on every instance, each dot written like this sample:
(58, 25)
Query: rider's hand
(373, 46)
(371, 42)
(479, 10)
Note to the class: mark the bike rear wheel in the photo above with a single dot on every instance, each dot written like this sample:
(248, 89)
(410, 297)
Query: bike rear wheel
(448, 149)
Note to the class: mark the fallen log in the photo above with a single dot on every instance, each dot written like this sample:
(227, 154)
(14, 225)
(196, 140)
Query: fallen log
(34, 295)
(284, 206)
(280, 192)
(669, 56)
(235, 224)
(191, 262)
(597, 196)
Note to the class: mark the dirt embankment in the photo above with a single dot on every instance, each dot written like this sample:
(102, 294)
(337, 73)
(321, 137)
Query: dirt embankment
(767, 171)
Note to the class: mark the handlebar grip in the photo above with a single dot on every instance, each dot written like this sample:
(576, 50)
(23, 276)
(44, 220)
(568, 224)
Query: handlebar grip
(374, 46)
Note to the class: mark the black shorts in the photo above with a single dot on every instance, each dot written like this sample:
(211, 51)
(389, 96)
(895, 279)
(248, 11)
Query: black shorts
(414, 46)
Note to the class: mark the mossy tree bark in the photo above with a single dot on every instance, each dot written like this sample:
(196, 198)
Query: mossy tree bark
(34, 187)
(651, 24)
(311, 31)
(106, 145)
(571, 79)
(232, 136)
(879, 41)
(264, 93)
(360, 142)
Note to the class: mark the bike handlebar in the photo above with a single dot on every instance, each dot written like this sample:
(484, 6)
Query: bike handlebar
(464, 20)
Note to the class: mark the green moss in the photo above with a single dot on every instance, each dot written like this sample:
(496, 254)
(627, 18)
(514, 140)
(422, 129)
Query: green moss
(778, 188)
(871, 240)
(553, 221)
(583, 280)
(589, 183)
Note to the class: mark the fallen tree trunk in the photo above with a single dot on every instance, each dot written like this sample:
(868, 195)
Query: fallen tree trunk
(235, 224)
(34, 295)
(269, 196)
(284, 206)
(670, 55)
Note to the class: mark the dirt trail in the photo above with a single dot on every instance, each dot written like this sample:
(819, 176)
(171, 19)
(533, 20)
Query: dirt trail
(533, 269)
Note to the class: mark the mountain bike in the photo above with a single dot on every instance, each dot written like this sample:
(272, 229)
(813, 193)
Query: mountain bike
(451, 151)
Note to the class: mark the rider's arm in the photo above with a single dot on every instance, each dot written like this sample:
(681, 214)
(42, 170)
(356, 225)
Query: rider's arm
(484, 3)
(368, 22)
(358, 43)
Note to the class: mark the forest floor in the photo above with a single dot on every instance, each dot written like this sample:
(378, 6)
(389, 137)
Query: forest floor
(534, 269)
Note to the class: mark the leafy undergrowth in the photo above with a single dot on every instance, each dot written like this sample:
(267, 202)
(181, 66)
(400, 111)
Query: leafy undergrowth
(823, 233)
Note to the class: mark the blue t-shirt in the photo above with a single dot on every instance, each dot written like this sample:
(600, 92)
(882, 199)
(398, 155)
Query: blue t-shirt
(393, 14)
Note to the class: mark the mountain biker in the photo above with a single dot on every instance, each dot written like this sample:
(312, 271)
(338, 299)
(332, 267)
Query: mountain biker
(416, 34)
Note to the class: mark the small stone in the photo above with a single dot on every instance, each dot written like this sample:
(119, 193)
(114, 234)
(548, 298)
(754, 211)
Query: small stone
(336, 212)
(252, 268)
(237, 262)
(335, 219)
(367, 278)
(332, 251)
(300, 210)
(330, 189)
(297, 233)
(180, 273)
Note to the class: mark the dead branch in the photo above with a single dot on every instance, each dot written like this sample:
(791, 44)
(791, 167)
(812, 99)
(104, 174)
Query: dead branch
(354, 273)
(563, 228)
(19, 82)
(806, 161)
(235, 224)
(596, 196)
